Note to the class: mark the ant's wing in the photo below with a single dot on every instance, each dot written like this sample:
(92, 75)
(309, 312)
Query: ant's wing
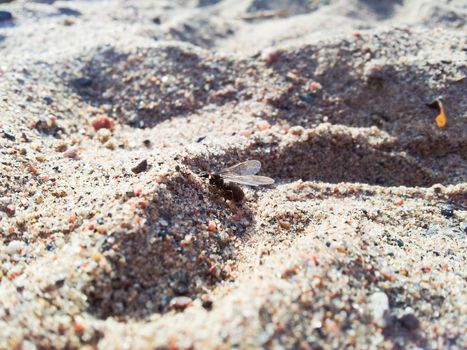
(250, 180)
(250, 167)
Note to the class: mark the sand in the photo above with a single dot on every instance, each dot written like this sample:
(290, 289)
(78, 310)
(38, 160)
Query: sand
(111, 239)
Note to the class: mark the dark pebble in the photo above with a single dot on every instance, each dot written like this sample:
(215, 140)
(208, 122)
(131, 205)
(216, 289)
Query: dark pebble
(136, 122)
(48, 100)
(399, 242)
(410, 322)
(142, 166)
(49, 247)
(308, 98)
(60, 283)
(69, 12)
(207, 304)
(8, 136)
(447, 211)
(147, 143)
(83, 82)
(200, 138)
(181, 289)
(5, 16)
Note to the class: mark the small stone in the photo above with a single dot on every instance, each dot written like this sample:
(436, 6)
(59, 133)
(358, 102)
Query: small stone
(314, 87)
(68, 11)
(61, 147)
(5, 16)
(180, 303)
(200, 138)
(426, 269)
(142, 166)
(246, 133)
(6, 200)
(263, 125)
(20, 221)
(376, 70)
(10, 210)
(269, 55)
(410, 322)
(357, 34)
(97, 256)
(40, 158)
(14, 247)
(447, 211)
(187, 240)
(103, 135)
(224, 236)
(102, 122)
(71, 153)
(399, 242)
(308, 98)
(292, 76)
(83, 82)
(290, 271)
(212, 226)
(68, 22)
(79, 327)
(379, 305)
(8, 136)
(110, 145)
(285, 224)
(47, 100)
(296, 130)
(72, 219)
(206, 302)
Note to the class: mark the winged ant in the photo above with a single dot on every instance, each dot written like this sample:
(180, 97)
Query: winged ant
(228, 179)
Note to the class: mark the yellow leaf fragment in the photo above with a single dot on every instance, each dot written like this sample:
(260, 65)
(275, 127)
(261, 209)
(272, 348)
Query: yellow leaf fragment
(441, 119)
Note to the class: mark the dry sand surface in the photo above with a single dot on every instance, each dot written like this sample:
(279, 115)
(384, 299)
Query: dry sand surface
(111, 239)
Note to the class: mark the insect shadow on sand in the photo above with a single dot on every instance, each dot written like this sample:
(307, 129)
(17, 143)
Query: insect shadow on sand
(172, 255)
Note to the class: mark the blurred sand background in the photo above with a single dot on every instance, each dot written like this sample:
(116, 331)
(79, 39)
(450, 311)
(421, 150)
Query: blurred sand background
(109, 238)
